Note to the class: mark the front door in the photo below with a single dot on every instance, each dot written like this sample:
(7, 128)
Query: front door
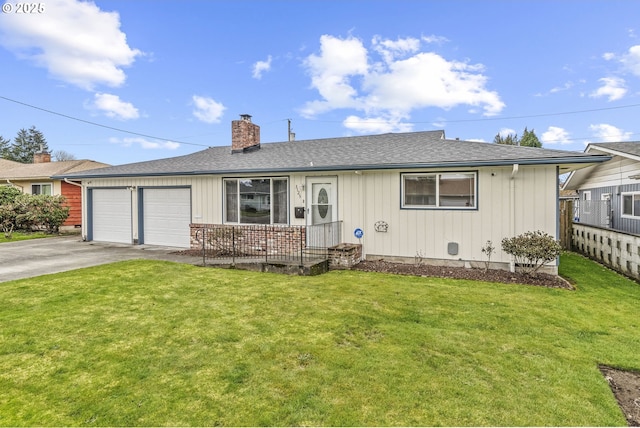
(322, 204)
(322, 212)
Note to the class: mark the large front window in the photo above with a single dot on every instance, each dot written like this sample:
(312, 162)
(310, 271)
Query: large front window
(447, 190)
(256, 200)
(631, 205)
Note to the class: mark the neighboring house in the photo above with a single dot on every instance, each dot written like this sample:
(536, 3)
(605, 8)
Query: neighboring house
(412, 194)
(609, 193)
(36, 178)
(6, 164)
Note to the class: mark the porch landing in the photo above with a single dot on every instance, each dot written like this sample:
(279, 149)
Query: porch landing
(308, 267)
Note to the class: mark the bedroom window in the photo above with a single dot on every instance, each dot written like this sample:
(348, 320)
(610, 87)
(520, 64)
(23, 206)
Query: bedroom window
(445, 190)
(256, 200)
(631, 205)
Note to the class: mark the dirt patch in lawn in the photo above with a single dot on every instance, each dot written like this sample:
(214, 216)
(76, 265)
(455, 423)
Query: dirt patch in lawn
(491, 275)
(625, 385)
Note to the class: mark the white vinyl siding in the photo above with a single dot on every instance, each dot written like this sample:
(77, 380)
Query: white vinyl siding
(616, 172)
(426, 232)
(504, 207)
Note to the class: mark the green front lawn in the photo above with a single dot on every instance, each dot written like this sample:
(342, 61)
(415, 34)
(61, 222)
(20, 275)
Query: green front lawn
(21, 236)
(158, 343)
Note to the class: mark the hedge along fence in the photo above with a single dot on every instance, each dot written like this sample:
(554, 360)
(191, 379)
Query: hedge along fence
(618, 250)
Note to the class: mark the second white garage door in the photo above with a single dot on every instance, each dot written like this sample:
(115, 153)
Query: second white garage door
(166, 216)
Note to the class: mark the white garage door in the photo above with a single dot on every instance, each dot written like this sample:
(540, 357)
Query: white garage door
(166, 217)
(111, 215)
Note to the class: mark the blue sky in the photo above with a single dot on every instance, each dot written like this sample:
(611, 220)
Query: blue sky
(174, 74)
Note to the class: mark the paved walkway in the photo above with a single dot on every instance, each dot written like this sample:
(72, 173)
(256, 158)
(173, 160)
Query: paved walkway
(34, 257)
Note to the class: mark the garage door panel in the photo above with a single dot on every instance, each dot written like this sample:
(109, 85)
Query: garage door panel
(166, 217)
(111, 215)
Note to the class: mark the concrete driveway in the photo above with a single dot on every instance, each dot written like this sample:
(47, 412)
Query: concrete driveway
(34, 257)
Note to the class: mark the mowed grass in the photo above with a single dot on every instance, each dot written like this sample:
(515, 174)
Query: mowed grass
(21, 236)
(151, 343)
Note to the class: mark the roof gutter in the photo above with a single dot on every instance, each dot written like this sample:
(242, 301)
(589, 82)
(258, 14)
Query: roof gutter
(554, 161)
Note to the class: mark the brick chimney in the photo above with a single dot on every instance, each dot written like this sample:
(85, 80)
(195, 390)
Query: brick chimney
(245, 136)
(41, 156)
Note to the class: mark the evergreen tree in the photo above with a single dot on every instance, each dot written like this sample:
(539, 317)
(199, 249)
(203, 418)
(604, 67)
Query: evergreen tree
(530, 139)
(509, 140)
(5, 147)
(26, 143)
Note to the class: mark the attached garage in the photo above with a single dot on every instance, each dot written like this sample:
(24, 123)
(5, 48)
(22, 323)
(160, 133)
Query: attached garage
(110, 215)
(165, 216)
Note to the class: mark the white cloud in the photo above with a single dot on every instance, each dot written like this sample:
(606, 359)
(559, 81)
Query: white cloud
(504, 132)
(74, 40)
(555, 135)
(390, 49)
(331, 73)
(260, 67)
(376, 125)
(434, 39)
(612, 87)
(609, 133)
(403, 79)
(565, 87)
(631, 60)
(113, 107)
(207, 109)
(144, 143)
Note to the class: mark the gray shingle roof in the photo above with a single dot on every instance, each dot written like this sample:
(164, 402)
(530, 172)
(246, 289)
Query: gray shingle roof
(426, 149)
(628, 147)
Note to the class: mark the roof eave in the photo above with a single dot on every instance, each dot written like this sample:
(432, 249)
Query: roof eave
(457, 164)
(611, 151)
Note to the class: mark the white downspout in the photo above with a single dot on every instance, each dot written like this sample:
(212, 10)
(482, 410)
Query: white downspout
(512, 209)
(82, 207)
(66, 180)
(13, 184)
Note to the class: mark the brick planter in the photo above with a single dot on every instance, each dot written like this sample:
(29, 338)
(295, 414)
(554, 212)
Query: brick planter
(344, 256)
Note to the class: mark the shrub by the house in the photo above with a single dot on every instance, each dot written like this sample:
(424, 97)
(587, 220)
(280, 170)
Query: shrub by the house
(19, 211)
(532, 250)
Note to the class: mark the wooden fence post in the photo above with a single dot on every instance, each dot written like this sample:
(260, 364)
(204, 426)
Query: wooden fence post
(566, 223)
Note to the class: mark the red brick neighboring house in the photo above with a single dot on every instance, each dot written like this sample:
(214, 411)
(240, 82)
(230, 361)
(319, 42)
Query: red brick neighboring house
(35, 178)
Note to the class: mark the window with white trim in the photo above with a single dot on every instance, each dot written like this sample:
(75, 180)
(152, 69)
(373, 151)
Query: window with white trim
(631, 205)
(586, 201)
(256, 200)
(41, 189)
(441, 190)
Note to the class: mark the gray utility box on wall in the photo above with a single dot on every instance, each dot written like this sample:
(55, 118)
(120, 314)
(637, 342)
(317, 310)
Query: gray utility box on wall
(452, 248)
